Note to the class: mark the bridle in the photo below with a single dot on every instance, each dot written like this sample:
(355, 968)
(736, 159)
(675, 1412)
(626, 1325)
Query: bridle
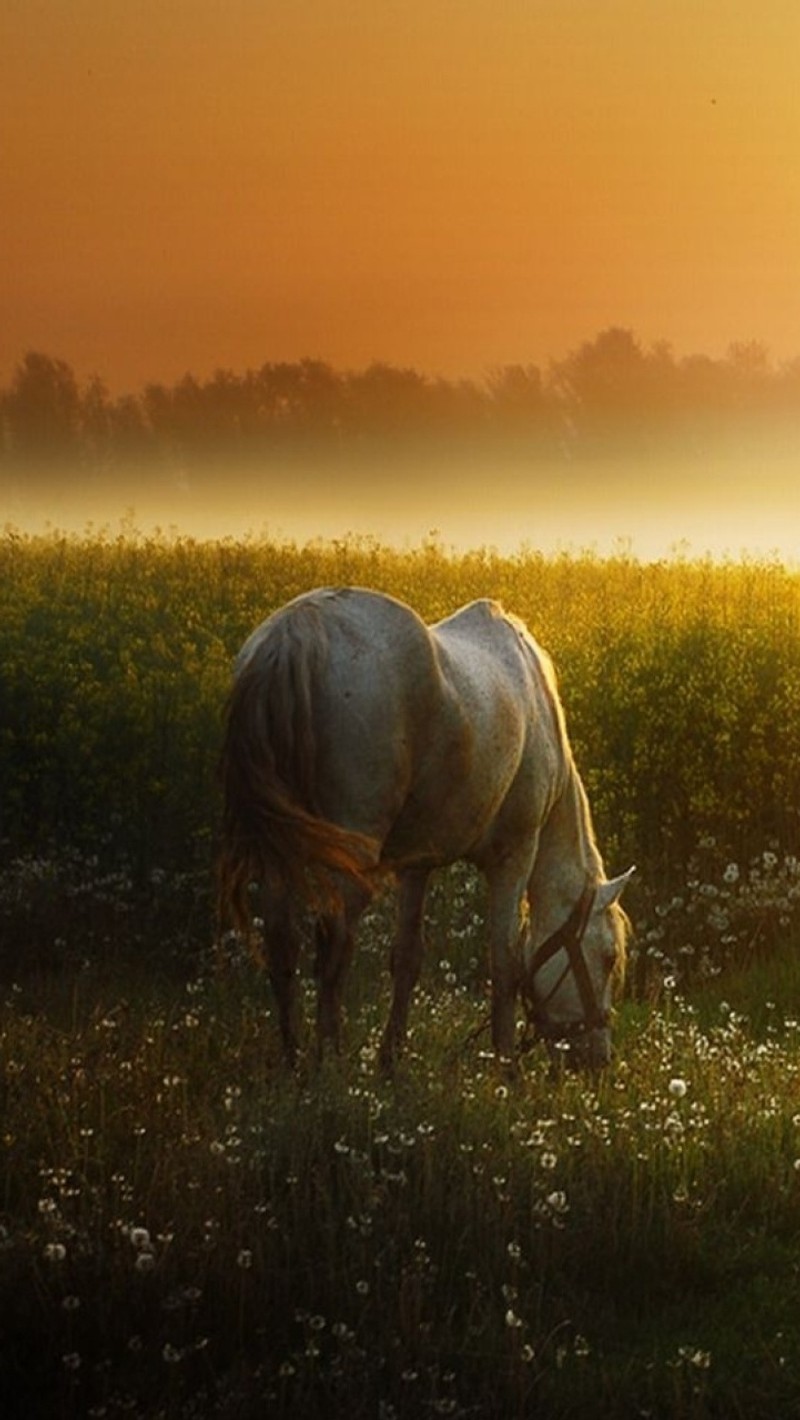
(568, 938)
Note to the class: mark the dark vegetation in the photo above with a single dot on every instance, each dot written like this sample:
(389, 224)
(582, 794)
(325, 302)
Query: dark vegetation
(608, 393)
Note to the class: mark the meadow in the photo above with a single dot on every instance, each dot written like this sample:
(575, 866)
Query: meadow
(188, 1231)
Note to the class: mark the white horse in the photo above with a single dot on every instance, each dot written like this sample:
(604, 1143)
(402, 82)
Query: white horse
(360, 741)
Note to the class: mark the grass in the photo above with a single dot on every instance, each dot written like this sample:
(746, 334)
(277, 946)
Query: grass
(188, 1231)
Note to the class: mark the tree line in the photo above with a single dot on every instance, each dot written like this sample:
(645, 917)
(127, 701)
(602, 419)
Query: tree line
(610, 390)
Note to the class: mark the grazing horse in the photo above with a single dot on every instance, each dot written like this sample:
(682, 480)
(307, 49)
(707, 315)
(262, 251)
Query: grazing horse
(360, 741)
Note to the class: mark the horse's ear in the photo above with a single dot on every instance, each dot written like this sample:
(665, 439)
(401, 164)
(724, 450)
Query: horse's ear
(610, 892)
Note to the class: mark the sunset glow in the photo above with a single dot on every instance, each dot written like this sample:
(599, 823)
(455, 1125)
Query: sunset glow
(450, 186)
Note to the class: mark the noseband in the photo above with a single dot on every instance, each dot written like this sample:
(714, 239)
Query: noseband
(569, 938)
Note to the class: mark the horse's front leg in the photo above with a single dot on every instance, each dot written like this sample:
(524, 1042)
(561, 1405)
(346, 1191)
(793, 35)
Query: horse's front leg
(508, 928)
(335, 941)
(405, 960)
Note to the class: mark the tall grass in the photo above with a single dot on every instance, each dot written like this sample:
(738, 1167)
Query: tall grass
(190, 1231)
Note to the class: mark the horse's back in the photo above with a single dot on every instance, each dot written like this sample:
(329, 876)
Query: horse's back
(429, 739)
(506, 686)
(495, 665)
(483, 628)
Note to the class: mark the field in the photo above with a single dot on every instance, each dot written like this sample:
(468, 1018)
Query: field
(186, 1231)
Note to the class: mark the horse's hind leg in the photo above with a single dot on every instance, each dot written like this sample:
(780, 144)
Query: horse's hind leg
(405, 960)
(283, 950)
(335, 940)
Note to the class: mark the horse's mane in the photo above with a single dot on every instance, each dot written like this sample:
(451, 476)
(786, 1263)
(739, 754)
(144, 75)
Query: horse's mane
(573, 786)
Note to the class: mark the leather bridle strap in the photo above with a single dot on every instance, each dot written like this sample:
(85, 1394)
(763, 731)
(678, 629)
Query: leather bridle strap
(594, 1016)
(569, 934)
(568, 938)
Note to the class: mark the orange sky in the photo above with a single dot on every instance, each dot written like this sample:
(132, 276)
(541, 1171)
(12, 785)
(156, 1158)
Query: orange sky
(446, 183)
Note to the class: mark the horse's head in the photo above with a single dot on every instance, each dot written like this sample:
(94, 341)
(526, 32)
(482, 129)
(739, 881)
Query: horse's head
(569, 979)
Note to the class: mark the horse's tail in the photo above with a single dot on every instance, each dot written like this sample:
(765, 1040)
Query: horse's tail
(272, 831)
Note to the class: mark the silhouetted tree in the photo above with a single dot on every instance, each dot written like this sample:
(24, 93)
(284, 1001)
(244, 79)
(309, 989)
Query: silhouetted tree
(158, 408)
(519, 400)
(42, 412)
(96, 426)
(752, 383)
(131, 436)
(384, 399)
(603, 381)
(787, 387)
(609, 393)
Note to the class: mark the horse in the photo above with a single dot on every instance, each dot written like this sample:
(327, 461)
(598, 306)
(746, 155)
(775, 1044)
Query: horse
(360, 742)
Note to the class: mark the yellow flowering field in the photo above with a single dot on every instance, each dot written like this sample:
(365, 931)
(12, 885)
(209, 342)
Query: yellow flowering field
(681, 683)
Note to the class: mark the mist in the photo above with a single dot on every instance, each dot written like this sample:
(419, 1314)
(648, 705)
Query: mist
(615, 448)
(733, 503)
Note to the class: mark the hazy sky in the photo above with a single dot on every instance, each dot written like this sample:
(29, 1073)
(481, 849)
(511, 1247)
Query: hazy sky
(186, 184)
